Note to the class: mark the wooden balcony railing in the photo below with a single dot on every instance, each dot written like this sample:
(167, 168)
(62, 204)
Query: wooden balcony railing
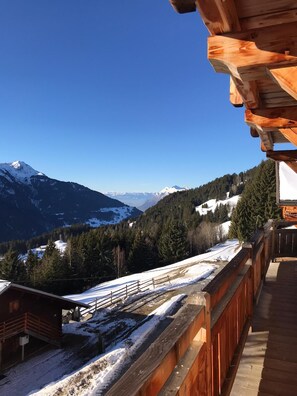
(30, 324)
(199, 351)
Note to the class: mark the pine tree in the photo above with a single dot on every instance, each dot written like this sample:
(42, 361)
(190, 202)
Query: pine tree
(173, 245)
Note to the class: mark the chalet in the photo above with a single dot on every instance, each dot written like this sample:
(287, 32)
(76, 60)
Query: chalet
(238, 335)
(27, 315)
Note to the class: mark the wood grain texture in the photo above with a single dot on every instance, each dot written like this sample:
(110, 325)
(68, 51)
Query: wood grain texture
(269, 363)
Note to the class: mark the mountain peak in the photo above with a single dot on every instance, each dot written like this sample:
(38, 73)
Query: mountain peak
(19, 170)
(170, 190)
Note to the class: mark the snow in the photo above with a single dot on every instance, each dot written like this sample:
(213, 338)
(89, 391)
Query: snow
(224, 228)
(171, 190)
(39, 252)
(19, 170)
(192, 269)
(212, 204)
(3, 285)
(113, 359)
(287, 183)
(119, 214)
(61, 371)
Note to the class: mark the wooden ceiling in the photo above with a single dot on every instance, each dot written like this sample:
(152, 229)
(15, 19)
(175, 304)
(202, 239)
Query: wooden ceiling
(255, 42)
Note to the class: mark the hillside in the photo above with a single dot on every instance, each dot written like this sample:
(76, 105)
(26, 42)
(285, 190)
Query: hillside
(32, 203)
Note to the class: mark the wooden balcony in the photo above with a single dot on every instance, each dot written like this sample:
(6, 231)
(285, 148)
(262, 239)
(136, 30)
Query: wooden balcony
(245, 319)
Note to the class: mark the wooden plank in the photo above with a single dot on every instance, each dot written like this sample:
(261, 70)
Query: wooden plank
(290, 134)
(150, 372)
(247, 55)
(252, 8)
(189, 374)
(282, 155)
(219, 16)
(268, 19)
(281, 117)
(286, 77)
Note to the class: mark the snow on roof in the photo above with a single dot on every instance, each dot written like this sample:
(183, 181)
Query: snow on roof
(4, 285)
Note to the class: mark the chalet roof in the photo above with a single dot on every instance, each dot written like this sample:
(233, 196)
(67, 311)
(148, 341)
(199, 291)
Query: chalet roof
(255, 42)
(64, 302)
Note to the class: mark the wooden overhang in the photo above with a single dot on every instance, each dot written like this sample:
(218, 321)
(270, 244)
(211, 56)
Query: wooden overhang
(255, 42)
(65, 303)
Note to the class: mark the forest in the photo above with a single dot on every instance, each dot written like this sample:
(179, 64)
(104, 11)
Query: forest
(169, 232)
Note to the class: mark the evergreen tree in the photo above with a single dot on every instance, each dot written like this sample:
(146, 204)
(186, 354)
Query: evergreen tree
(173, 245)
(12, 268)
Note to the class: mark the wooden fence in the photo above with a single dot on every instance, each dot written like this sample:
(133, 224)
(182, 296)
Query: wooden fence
(199, 351)
(114, 297)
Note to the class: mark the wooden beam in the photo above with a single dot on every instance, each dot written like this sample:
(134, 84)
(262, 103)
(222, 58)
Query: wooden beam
(249, 92)
(290, 134)
(235, 97)
(286, 78)
(266, 140)
(247, 55)
(219, 16)
(254, 133)
(280, 117)
(283, 155)
(183, 6)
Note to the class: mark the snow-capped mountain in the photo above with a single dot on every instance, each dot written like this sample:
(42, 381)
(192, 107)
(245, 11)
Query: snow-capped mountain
(144, 200)
(32, 203)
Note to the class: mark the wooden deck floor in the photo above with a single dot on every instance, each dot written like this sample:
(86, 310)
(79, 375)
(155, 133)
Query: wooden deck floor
(268, 365)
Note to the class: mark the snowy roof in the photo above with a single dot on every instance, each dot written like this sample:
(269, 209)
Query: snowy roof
(4, 285)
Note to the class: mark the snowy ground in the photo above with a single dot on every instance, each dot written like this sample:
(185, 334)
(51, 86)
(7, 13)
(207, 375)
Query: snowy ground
(78, 368)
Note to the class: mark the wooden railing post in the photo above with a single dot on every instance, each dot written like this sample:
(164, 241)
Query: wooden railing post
(209, 363)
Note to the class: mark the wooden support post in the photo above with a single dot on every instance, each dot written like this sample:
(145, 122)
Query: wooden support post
(209, 363)
(0, 355)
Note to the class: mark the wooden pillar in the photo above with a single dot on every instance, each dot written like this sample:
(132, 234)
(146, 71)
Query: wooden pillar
(209, 365)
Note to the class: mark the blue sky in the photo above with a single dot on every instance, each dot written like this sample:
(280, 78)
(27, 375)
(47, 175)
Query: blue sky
(118, 96)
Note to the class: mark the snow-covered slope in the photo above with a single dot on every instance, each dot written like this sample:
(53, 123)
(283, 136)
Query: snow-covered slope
(212, 204)
(18, 171)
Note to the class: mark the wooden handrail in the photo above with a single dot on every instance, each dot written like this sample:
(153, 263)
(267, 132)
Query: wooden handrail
(227, 305)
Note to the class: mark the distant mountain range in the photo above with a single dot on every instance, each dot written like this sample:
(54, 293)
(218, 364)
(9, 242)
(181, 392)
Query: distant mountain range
(145, 200)
(32, 203)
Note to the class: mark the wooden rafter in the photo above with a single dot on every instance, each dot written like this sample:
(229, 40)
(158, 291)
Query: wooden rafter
(286, 77)
(290, 134)
(247, 55)
(266, 139)
(283, 155)
(249, 92)
(235, 96)
(280, 117)
(219, 16)
(183, 6)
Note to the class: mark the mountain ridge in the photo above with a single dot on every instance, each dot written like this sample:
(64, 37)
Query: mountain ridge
(32, 203)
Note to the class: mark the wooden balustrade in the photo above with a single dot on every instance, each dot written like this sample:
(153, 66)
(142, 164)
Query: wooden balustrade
(30, 324)
(207, 362)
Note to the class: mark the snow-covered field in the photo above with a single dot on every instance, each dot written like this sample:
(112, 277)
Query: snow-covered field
(212, 204)
(80, 370)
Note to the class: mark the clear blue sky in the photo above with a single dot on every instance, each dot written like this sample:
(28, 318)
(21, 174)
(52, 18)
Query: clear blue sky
(116, 95)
